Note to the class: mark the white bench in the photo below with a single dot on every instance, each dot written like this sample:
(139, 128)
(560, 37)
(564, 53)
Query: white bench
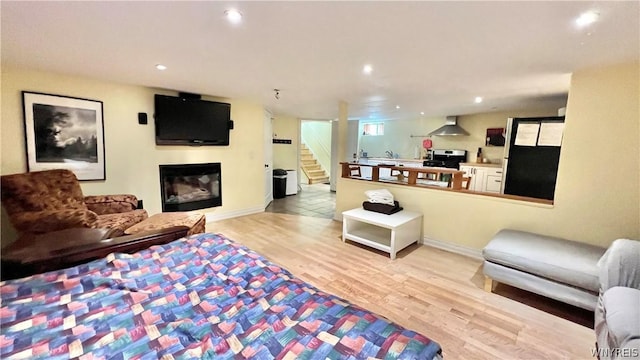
(389, 233)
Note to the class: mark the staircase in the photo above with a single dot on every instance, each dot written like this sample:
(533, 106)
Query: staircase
(312, 169)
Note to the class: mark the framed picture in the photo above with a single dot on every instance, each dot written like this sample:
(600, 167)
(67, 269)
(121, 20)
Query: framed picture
(64, 133)
(495, 137)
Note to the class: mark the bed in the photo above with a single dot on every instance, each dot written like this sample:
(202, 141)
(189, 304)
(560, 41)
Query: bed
(204, 296)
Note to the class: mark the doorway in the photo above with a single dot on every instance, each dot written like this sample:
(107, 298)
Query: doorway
(313, 157)
(315, 151)
(268, 158)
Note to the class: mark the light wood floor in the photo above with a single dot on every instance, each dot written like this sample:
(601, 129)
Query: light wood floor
(433, 292)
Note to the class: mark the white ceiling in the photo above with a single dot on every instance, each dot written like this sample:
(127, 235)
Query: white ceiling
(434, 57)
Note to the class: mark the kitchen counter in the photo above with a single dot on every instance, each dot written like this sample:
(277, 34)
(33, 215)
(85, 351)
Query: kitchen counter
(411, 179)
(385, 174)
(492, 165)
(392, 159)
(389, 161)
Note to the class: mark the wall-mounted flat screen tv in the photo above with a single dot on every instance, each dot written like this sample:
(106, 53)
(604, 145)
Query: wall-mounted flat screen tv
(191, 121)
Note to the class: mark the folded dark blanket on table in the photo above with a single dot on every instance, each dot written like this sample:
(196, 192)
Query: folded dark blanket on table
(382, 208)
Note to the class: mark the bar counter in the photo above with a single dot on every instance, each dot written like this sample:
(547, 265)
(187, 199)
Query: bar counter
(433, 176)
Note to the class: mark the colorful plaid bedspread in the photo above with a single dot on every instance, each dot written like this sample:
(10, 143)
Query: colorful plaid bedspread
(200, 297)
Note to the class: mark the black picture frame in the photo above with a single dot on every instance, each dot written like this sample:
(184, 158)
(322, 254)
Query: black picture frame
(63, 132)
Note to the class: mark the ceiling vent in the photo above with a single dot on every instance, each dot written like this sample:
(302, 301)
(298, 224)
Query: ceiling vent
(450, 128)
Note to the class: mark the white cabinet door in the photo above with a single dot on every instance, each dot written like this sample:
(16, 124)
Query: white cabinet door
(480, 179)
(477, 177)
(468, 172)
(493, 184)
(494, 180)
(365, 171)
(384, 173)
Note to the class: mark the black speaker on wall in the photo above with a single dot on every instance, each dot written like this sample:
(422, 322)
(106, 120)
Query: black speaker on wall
(142, 118)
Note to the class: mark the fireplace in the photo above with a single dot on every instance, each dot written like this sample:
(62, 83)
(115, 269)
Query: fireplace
(190, 186)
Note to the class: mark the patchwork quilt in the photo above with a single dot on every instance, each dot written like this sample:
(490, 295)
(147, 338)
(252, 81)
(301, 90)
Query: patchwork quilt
(200, 297)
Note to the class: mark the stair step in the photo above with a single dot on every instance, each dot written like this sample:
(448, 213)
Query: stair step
(319, 180)
(310, 167)
(317, 173)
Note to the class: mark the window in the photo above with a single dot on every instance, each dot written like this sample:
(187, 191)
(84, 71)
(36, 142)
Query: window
(373, 129)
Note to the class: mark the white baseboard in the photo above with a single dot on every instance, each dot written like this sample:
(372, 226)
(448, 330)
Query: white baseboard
(454, 248)
(211, 217)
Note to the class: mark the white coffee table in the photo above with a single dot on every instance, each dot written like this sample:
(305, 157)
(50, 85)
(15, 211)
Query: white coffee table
(388, 233)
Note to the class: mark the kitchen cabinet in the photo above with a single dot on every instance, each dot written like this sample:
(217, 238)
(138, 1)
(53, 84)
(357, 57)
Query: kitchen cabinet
(385, 173)
(413, 175)
(486, 178)
(478, 177)
(494, 181)
(366, 172)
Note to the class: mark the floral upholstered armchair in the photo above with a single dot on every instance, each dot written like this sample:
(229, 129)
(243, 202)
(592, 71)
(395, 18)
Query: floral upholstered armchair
(45, 201)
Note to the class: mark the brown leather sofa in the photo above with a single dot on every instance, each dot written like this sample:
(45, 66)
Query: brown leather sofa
(45, 201)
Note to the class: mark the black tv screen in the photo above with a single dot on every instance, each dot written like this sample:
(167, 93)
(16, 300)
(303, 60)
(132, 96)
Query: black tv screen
(187, 121)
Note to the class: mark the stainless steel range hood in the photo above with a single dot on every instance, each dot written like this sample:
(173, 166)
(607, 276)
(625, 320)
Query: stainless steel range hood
(450, 128)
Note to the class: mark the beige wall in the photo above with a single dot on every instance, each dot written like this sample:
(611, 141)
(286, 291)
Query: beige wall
(597, 196)
(397, 134)
(477, 125)
(285, 156)
(132, 158)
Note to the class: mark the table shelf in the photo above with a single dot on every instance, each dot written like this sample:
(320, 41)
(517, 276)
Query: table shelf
(370, 235)
(388, 233)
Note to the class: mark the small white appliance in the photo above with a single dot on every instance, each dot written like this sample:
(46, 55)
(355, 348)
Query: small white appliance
(292, 182)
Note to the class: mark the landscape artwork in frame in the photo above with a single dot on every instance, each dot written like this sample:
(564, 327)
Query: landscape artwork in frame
(64, 133)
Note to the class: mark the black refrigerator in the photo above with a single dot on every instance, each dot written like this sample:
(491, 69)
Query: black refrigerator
(532, 153)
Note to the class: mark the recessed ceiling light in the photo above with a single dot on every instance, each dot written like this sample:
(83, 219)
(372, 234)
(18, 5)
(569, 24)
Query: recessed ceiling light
(421, 112)
(161, 67)
(233, 15)
(587, 18)
(367, 69)
(397, 106)
(478, 100)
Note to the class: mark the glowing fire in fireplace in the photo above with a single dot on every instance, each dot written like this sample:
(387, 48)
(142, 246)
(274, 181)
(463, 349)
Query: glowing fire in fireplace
(179, 189)
(190, 186)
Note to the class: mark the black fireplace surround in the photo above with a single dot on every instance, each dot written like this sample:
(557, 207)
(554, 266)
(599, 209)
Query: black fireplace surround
(190, 186)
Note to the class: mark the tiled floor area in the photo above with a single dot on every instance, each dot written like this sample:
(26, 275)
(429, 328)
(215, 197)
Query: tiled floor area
(313, 200)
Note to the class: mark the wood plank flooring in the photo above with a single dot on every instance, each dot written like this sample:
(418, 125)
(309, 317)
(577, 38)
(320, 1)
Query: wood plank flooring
(433, 292)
